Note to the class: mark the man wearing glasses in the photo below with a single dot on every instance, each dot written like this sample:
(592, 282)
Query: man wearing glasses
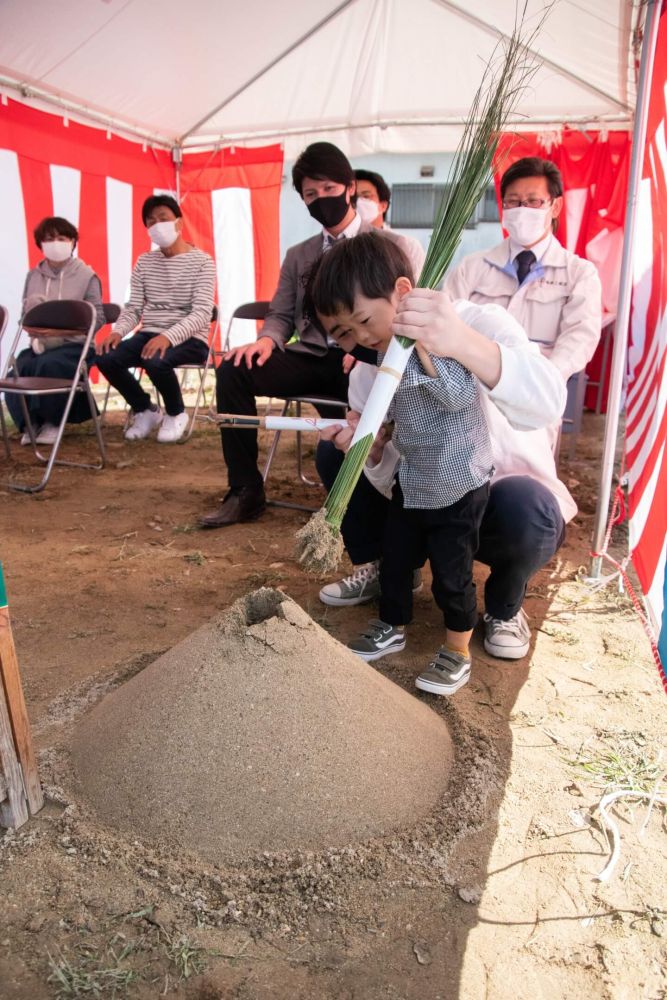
(555, 295)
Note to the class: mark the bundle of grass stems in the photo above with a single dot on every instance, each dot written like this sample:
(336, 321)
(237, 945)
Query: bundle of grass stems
(506, 77)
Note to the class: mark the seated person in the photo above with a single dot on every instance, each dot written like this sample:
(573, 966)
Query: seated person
(554, 295)
(310, 363)
(524, 522)
(373, 200)
(171, 296)
(442, 479)
(60, 275)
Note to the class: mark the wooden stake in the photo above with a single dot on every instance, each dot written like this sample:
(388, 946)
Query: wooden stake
(15, 707)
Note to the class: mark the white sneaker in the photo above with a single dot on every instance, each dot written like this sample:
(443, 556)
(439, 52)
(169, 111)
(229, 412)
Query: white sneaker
(172, 428)
(360, 587)
(46, 434)
(508, 640)
(25, 438)
(143, 423)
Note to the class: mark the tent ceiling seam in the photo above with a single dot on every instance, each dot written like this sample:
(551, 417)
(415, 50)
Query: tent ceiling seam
(532, 124)
(274, 62)
(561, 70)
(85, 41)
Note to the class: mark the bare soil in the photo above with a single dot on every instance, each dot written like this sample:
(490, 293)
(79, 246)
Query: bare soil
(492, 894)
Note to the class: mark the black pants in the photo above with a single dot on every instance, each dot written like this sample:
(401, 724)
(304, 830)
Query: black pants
(521, 530)
(60, 362)
(363, 525)
(285, 373)
(115, 367)
(449, 536)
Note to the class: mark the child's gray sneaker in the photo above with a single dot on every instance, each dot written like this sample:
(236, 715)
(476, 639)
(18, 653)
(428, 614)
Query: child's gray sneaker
(361, 586)
(378, 640)
(447, 673)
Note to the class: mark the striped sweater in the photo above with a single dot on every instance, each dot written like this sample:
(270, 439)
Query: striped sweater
(170, 295)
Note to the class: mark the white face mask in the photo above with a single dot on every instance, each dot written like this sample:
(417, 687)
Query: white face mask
(367, 209)
(163, 233)
(57, 250)
(526, 225)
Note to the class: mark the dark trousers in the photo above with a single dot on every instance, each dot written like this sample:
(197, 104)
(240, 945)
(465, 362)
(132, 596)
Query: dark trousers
(521, 530)
(60, 362)
(363, 525)
(285, 373)
(449, 536)
(116, 364)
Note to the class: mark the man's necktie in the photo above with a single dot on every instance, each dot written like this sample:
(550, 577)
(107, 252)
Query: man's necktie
(524, 261)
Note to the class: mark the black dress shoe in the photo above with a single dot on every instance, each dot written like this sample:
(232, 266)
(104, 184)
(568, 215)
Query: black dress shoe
(245, 504)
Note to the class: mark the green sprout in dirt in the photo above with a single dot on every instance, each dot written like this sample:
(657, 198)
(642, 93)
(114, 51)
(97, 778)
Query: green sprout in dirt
(91, 974)
(622, 762)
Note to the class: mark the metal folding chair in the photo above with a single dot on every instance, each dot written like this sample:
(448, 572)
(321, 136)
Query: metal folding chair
(297, 402)
(55, 319)
(249, 310)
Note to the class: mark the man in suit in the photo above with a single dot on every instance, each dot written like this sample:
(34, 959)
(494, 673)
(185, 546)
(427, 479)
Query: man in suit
(279, 363)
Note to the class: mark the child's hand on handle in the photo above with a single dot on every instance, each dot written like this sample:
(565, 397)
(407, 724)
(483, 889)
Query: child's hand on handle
(341, 434)
(429, 318)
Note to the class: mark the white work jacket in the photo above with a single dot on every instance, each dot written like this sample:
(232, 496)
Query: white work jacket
(559, 305)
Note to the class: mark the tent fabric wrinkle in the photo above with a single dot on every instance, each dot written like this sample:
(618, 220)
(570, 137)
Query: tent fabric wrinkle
(374, 75)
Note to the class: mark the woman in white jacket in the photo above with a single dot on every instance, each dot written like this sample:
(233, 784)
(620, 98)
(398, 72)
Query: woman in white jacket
(60, 275)
(524, 523)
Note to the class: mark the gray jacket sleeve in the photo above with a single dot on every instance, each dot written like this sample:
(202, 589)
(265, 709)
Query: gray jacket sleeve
(280, 322)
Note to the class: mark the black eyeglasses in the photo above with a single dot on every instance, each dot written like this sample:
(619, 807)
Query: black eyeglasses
(526, 202)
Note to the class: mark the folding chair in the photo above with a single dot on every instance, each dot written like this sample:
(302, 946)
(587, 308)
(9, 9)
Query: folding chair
(4, 319)
(298, 401)
(55, 319)
(573, 413)
(202, 371)
(249, 310)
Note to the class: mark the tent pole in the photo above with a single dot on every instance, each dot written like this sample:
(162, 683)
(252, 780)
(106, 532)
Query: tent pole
(618, 361)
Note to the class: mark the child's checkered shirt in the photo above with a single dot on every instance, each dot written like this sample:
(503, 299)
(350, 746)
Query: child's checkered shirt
(441, 434)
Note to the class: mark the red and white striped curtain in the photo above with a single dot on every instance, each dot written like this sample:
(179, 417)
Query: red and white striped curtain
(98, 181)
(646, 426)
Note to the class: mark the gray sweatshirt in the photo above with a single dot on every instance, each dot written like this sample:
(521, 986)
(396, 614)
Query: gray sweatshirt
(74, 280)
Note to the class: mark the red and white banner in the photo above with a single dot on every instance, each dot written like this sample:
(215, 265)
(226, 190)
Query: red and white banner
(98, 181)
(646, 427)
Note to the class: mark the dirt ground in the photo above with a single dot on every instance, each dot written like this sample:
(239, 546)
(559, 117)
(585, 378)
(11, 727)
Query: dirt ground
(493, 895)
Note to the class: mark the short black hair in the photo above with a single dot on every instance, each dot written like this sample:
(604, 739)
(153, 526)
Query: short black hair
(54, 225)
(322, 161)
(533, 166)
(378, 182)
(369, 264)
(157, 200)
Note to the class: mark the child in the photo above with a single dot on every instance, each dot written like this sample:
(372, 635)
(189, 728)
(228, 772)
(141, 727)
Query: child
(443, 477)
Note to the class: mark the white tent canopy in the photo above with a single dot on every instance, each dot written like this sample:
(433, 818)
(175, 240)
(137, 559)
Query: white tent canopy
(390, 76)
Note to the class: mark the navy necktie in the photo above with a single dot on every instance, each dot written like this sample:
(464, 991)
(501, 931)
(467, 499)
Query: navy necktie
(524, 261)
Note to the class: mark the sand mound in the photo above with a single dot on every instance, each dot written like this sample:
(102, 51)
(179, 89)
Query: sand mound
(260, 732)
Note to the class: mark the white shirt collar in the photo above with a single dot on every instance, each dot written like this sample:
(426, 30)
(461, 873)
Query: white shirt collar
(539, 249)
(351, 230)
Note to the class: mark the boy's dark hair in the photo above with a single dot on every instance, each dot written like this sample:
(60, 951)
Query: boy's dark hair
(378, 182)
(54, 225)
(534, 166)
(158, 201)
(369, 264)
(322, 161)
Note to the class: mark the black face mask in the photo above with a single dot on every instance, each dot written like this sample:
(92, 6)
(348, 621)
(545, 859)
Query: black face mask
(331, 210)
